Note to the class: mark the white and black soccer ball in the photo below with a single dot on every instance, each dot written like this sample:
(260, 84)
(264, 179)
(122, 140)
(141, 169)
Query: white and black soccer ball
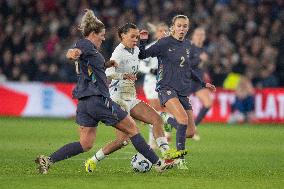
(140, 164)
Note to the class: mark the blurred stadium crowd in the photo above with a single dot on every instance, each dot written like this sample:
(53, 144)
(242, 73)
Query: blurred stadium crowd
(243, 36)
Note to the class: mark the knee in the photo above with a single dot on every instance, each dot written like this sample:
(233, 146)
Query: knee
(132, 129)
(189, 135)
(208, 103)
(182, 119)
(157, 121)
(86, 145)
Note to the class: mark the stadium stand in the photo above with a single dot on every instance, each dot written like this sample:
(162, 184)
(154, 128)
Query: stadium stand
(244, 37)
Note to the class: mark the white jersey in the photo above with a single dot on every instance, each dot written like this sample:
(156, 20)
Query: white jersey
(124, 90)
(150, 79)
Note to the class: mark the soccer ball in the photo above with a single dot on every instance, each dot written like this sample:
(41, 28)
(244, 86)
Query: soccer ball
(140, 164)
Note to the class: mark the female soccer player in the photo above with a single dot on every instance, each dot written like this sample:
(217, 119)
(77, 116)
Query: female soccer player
(94, 103)
(203, 94)
(149, 67)
(123, 92)
(174, 77)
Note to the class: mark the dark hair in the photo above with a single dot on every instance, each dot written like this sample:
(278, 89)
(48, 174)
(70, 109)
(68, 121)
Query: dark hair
(177, 17)
(125, 28)
(90, 23)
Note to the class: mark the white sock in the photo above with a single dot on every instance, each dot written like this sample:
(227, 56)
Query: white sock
(151, 135)
(163, 144)
(99, 156)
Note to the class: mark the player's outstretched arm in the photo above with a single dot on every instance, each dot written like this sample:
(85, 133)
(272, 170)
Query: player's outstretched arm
(152, 51)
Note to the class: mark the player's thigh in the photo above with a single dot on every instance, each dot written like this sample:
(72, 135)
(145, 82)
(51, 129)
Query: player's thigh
(174, 107)
(204, 96)
(155, 103)
(145, 113)
(127, 126)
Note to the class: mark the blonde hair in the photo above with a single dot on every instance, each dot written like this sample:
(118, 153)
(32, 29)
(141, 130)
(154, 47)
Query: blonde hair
(90, 23)
(174, 20)
(199, 29)
(153, 27)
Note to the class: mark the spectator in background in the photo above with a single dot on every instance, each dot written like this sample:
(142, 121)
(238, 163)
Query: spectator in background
(240, 32)
(242, 110)
(2, 76)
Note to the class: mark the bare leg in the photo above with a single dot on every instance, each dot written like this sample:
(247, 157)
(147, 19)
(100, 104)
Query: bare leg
(206, 100)
(204, 96)
(147, 114)
(191, 128)
(87, 137)
(174, 107)
(155, 103)
(120, 141)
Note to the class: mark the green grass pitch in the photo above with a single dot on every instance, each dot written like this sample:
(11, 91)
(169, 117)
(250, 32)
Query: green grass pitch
(232, 156)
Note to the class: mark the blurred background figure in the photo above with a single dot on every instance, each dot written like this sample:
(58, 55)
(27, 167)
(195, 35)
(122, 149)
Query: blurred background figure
(242, 110)
(203, 94)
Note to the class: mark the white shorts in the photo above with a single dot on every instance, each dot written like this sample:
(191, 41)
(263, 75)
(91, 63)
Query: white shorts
(126, 105)
(149, 88)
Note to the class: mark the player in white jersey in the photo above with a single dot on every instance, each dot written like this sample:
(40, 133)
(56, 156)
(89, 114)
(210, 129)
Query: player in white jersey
(123, 92)
(149, 67)
(122, 87)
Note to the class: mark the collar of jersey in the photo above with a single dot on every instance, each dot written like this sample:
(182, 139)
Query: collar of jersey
(130, 50)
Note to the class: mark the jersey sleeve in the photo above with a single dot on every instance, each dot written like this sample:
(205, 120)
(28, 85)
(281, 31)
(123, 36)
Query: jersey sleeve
(117, 56)
(194, 56)
(143, 68)
(110, 72)
(196, 78)
(152, 51)
(86, 48)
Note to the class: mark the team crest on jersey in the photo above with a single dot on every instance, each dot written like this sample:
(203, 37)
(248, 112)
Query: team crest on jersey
(169, 92)
(170, 50)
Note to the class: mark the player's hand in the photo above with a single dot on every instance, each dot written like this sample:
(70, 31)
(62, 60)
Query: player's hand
(210, 87)
(204, 57)
(130, 77)
(111, 63)
(73, 54)
(144, 35)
